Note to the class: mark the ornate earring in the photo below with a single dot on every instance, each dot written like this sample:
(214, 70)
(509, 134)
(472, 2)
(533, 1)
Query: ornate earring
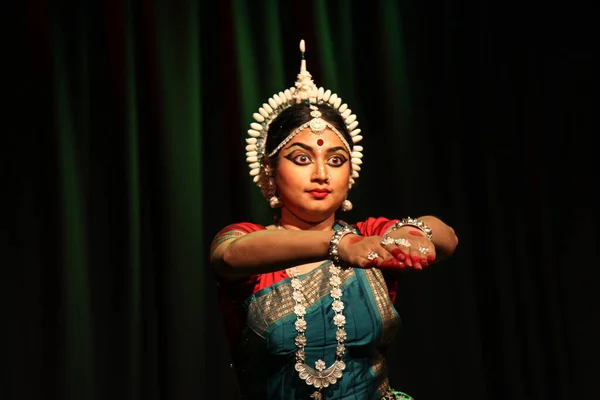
(346, 205)
(271, 188)
(274, 202)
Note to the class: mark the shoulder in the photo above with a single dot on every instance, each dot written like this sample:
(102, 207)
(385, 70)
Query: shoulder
(241, 227)
(375, 225)
(233, 231)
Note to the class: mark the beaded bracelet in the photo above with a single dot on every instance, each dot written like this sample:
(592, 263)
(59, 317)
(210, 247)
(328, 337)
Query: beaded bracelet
(334, 243)
(417, 223)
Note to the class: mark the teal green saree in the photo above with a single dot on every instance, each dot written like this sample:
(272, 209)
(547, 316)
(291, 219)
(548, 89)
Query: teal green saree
(265, 354)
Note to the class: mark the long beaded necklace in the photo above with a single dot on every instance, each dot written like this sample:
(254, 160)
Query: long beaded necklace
(321, 376)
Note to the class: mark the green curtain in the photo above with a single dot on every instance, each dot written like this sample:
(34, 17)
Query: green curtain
(124, 155)
(124, 89)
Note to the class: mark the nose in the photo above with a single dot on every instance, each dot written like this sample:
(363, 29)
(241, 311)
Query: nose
(320, 174)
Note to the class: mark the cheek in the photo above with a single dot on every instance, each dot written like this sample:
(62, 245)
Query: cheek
(287, 179)
(342, 176)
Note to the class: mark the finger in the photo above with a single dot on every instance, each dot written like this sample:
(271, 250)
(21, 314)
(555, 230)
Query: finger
(375, 258)
(398, 253)
(416, 262)
(391, 263)
(399, 248)
(385, 255)
(405, 247)
(370, 261)
(427, 253)
(385, 258)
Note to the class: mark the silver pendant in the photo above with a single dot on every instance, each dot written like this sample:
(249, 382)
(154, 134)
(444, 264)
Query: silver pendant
(316, 395)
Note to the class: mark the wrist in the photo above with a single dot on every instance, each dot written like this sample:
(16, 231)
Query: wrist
(415, 223)
(334, 244)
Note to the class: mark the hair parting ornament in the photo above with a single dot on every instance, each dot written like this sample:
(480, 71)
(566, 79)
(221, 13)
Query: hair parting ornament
(304, 91)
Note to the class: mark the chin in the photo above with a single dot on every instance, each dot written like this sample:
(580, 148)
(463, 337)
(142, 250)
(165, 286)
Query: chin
(319, 213)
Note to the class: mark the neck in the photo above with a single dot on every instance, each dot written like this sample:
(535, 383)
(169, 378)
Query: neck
(289, 220)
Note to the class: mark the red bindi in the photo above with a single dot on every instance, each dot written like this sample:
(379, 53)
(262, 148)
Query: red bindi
(320, 142)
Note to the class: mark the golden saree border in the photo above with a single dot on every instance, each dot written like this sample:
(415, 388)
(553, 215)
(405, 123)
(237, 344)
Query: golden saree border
(381, 294)
(271, 307)
(379, 367)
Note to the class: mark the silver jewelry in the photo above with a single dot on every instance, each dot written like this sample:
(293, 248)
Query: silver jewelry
(346, 205)
(317, 125)
(274, 202)
(372, 255)
(322, 376)
(334, 243)
(402, 242)
(424, 249)
(306, 91)
(417, 223)
(387, 240)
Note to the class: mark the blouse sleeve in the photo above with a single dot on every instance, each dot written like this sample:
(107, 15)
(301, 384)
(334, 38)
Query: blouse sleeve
(375, 226)
(232, 231)
(380, 226)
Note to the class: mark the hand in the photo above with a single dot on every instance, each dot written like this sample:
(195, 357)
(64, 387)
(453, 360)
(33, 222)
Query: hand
(354, 250)
(410, 246)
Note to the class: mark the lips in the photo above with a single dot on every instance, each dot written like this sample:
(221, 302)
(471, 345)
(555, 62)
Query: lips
(318, 193)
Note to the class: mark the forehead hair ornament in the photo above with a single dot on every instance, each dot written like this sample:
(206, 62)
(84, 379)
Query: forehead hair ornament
(317, 125)
(304, 91)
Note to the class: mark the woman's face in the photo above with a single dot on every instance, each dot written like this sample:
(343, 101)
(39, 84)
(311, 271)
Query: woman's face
(313, 174)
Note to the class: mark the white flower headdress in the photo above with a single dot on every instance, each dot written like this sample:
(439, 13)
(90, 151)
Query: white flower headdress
(305, 91)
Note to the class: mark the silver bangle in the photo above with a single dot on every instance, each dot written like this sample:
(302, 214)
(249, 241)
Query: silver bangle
(334, 243)
(417, 223)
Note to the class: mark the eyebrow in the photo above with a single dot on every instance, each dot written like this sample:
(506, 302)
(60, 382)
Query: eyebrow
(308, 148)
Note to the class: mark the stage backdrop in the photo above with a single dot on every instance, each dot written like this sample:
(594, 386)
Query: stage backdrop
(124, 154)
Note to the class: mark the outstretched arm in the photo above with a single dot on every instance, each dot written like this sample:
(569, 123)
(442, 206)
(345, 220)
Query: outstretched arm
(273, 250)
(268, 251)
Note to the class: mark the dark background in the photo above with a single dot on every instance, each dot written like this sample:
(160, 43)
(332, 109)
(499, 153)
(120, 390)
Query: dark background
(123, 155)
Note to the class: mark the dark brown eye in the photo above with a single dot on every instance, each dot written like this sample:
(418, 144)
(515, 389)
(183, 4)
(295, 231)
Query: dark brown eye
(336, 161)
(301, 159)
